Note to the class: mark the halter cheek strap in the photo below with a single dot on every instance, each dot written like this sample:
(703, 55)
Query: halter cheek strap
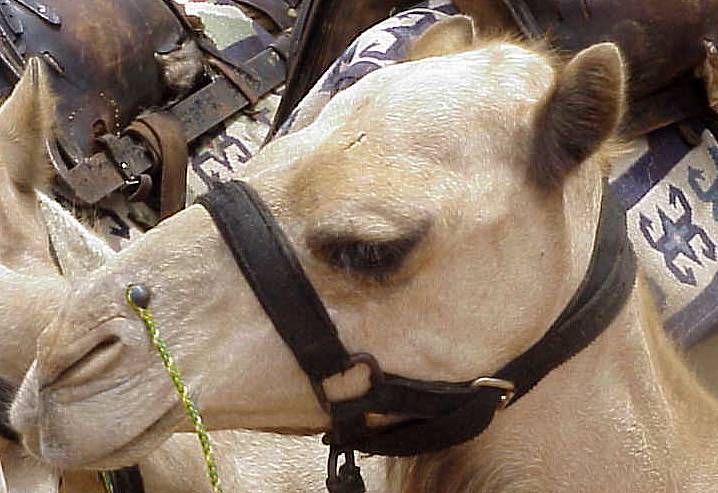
(437, 414)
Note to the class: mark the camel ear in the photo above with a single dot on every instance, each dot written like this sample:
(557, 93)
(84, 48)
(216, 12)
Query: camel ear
(452, 34)
(26, 121)
(581, 112)
(77, 250)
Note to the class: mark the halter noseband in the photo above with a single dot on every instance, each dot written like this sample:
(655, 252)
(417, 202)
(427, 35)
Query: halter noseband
(437, 414)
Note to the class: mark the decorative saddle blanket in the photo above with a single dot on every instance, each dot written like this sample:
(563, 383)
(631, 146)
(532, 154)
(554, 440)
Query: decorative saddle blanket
(669, 189)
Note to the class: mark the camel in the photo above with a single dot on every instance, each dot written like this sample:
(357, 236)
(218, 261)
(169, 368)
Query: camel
(444, 260)
(34, 282)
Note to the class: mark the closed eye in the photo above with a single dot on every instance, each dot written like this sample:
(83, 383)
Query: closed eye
(375, 258)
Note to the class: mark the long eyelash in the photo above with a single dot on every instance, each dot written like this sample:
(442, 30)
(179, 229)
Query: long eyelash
(376, 258)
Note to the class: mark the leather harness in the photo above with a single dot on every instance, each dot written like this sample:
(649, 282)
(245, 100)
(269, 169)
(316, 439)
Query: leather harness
(437, 414)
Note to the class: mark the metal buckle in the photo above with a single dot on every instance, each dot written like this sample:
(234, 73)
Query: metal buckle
(376, 377)
(496, 383)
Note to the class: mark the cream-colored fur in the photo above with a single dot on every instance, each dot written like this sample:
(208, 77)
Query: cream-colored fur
(497, 252)
(32, 292)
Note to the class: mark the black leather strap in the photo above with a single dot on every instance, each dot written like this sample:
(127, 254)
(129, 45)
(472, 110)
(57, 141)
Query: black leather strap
(608, 283)
(458, 412)
(266, 258)
(438, 414)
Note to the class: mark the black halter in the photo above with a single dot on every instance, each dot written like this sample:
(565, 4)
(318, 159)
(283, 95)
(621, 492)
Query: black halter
(438, 414)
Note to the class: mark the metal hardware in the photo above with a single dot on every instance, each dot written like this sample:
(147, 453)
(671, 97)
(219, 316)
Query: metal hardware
(138, 188)
(10, 55)
(377, 374)
(44, 12)
(132, 162)
(496, 383)
(344, 479)
(52, 62)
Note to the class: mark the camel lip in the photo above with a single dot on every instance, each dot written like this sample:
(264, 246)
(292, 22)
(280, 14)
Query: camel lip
(163, 424)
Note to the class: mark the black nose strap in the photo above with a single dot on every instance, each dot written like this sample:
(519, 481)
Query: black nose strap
(271, 268)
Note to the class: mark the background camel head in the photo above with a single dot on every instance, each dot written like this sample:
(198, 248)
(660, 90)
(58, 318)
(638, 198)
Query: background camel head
(30, 222)
(30, 277)
(444, 208)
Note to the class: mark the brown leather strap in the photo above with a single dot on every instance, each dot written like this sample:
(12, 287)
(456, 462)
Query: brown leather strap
(164, 137)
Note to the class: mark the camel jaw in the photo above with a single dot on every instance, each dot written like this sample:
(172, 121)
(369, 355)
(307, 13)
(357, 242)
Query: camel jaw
(52, 437)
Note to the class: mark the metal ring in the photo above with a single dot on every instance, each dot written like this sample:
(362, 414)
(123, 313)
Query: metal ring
(509, 389)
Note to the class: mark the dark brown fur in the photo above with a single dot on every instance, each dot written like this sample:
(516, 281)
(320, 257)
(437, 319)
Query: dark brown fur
(580, 113)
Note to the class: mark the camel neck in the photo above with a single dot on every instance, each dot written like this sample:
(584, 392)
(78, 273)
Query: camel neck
(625, 413)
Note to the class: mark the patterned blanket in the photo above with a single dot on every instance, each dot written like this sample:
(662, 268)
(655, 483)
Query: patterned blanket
(668, 188)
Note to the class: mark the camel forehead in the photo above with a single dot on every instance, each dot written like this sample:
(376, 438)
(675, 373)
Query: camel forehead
(412, 123)
(431, 112)
(495, 77)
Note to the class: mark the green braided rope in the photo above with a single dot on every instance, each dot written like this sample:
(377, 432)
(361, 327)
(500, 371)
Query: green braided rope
(107, 481)
(190, 408)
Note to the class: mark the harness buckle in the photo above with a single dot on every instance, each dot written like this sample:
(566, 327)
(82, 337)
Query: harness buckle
(496, 383)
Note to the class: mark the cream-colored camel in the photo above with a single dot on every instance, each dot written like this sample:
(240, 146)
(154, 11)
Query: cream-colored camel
(445, 258)
(32, 291)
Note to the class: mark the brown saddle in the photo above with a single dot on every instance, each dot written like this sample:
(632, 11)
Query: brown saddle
(663, 41)
(120, 119)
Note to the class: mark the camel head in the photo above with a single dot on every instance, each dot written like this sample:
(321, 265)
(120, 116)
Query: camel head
(444, 209)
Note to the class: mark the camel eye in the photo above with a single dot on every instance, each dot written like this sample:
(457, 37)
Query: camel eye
(368, 257)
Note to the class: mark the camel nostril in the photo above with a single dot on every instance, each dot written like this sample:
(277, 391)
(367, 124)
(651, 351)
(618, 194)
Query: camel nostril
(98, 359)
